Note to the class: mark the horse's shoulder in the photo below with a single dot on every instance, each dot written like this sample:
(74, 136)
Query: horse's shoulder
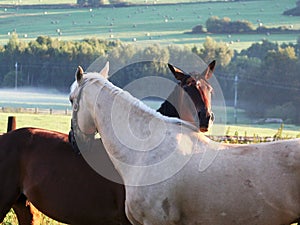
(50, 134)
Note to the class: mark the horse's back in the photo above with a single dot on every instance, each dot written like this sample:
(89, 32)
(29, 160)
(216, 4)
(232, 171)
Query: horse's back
(60, 183)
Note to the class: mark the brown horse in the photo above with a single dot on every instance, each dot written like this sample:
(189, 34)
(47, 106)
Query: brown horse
(40, 166)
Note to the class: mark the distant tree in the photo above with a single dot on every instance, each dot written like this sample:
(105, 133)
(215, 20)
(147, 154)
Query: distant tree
(294, 11)
(216, 25)
(211, 50)
(286, 111)
(116, 2)
(297, 47)
(82, 2)
(48, 62)
(259, 50)
(198, 29)
(278, 79)
(93, 3)
(9, 79)
(12, 44)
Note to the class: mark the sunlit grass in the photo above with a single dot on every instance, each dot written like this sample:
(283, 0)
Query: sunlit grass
(267, 130)
(59, 123)
(11, 219)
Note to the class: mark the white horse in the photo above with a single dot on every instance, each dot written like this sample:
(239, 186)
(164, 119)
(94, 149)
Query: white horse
(161, 162)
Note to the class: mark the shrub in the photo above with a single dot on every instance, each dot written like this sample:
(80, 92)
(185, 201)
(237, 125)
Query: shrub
(216, 25)
(198, 29)
(287, 112)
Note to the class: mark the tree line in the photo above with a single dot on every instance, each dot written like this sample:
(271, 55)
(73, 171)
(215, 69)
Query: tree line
(268, 73)
(294, 11)
(225, 25)
(96, 3)
(45, 62)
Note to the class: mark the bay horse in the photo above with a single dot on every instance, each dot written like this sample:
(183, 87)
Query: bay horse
(196, 88)
(58, 142)
(40, 166)
(159, 158)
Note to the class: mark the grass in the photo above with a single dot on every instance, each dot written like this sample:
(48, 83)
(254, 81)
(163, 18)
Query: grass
(11, 219)
(37, 2)
(165, 24)
(289, 131)
(59, 123)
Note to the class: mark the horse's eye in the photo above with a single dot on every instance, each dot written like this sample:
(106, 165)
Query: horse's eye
(192, 82)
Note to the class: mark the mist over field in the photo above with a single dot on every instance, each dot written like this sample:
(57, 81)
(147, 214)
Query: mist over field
(34, 98)
(42, 98)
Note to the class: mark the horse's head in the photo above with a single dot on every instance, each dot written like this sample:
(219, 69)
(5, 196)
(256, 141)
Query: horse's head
(199, 94)
(82, 103)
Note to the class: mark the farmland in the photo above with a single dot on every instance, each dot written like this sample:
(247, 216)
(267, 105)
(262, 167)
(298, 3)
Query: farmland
(148, 24)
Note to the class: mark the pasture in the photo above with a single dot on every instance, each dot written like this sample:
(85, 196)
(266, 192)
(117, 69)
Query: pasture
(37, 2)
(164, 24)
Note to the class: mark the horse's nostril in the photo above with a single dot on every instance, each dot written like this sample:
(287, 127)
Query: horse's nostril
(203, 129)
(212, 116)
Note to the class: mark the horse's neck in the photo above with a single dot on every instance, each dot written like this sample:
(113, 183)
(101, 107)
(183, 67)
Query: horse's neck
(136, 136)
(167, 109)
(170, 107)
(126, 123)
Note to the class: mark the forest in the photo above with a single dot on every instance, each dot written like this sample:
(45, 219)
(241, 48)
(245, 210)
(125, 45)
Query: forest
(268, 72)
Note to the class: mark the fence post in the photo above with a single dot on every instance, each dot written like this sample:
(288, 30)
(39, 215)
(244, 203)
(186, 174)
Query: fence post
(11, 123)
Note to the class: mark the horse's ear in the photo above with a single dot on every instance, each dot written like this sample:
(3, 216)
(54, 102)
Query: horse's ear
(209, 70)
(104, 71)
(79, 73)
(178, 73)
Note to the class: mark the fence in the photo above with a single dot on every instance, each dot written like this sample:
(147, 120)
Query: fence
(37, 111)
(245, 139)
(11, 125)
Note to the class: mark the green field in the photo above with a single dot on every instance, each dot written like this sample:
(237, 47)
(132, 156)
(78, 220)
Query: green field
(147, 24)
(37, 2)
(61, 123)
